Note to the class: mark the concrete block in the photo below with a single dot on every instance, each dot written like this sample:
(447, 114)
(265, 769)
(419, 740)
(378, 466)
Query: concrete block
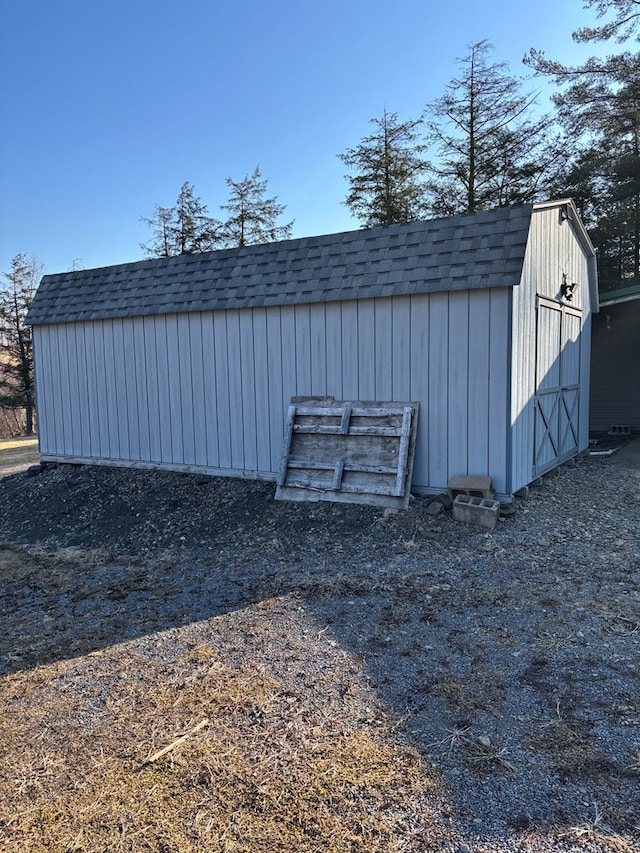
(476, 485)
(476, 511)
(619, 429)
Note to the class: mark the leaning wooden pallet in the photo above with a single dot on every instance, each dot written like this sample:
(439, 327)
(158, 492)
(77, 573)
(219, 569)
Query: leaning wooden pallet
(349, 451)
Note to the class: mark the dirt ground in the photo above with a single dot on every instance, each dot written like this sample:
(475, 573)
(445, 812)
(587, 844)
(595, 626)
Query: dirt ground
(424, 685)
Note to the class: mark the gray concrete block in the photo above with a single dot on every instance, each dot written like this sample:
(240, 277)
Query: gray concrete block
(619, 429)
(470, 484)
(473, 510)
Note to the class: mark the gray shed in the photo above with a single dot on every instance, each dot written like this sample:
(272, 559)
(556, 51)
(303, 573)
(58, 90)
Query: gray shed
(189, 363)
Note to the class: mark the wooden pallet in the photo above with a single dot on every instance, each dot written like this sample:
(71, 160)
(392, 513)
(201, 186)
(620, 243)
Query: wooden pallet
(350, 452)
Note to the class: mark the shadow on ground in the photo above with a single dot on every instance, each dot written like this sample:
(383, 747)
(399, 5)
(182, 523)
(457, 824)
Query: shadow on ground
(505, 656)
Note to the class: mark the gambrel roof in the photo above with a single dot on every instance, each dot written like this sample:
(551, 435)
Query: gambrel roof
(469, 251)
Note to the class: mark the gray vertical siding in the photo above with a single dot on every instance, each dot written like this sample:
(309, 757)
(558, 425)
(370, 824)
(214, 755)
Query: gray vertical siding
(499, 431)
(552, 249)
(209, 390)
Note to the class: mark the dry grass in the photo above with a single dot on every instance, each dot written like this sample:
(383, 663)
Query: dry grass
(15, 443)
(480, 753)
(16, 454)
(595, 832)
(572, 752)
(244, 764)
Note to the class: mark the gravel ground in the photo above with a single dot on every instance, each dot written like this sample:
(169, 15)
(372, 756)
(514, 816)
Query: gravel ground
(510, 658)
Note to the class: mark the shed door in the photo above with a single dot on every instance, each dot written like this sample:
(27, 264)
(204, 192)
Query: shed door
(557, 409)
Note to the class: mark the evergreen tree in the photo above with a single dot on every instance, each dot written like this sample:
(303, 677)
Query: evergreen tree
(162, 244)
(602, 116)
(623, 26)
(184, 229)
(17, 387)
(252, 218)
(488, 151)
(599, 109)
(387, 184)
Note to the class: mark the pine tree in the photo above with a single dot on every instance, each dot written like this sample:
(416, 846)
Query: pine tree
(598, 107)
(252, 217)
(387, 184)
(602, 116)
(488, 152)
(162, 244)
(624, 25)
(184, 229)
(17, 387)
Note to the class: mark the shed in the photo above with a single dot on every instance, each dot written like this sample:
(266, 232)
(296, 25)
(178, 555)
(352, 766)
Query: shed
(189, 363)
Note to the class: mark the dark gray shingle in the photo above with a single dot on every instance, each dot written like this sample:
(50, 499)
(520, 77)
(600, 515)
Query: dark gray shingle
(470, 251)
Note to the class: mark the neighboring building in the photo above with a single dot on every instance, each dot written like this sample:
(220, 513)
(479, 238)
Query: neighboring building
(615, 363)
(189, 363)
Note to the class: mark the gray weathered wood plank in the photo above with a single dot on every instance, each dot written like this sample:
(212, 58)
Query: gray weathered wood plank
(317, 465)
(288, 431)
(336, 483)
(330, 429)
(403, 452)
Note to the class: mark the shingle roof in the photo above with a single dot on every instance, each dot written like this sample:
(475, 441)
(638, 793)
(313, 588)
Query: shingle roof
(469, 251)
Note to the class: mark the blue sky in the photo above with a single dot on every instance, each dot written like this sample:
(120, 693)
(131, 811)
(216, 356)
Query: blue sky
(107, 108)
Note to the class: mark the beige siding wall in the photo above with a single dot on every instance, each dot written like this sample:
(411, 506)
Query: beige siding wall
(209, 391)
